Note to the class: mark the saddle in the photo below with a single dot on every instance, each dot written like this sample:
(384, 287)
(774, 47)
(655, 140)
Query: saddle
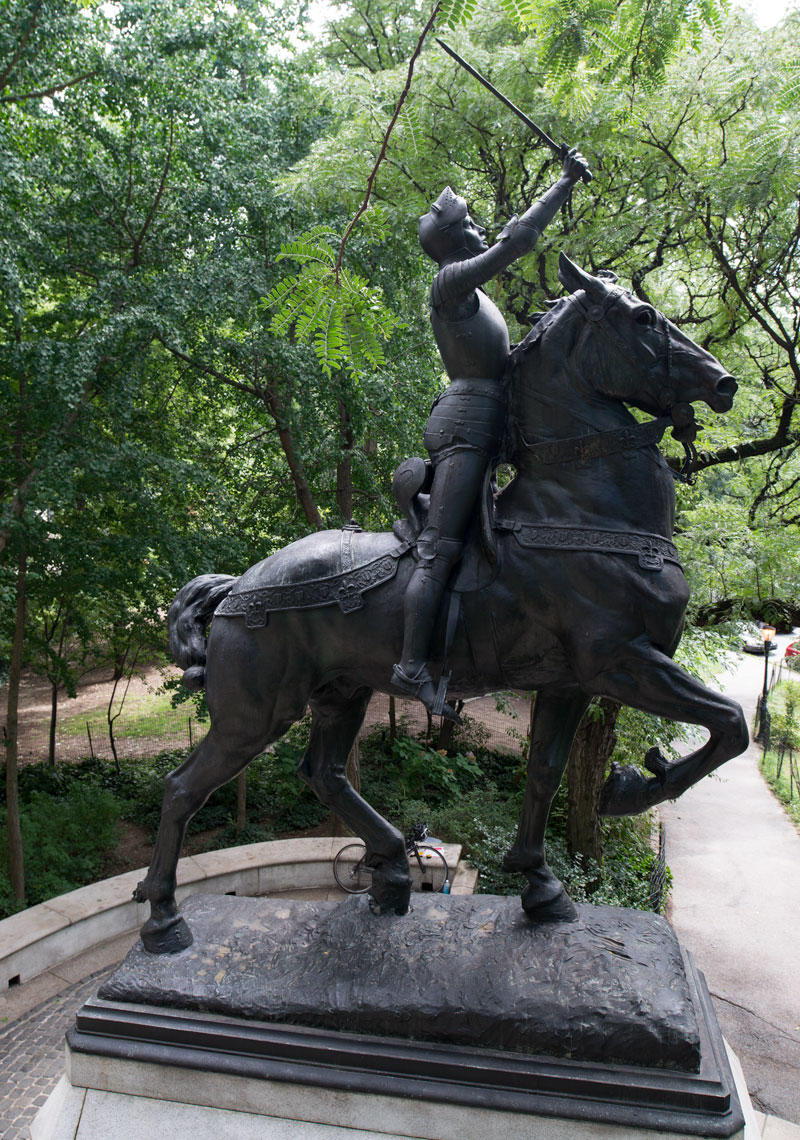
(338, 567)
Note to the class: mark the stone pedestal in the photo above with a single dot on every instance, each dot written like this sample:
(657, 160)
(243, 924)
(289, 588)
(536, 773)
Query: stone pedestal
(453, 1022)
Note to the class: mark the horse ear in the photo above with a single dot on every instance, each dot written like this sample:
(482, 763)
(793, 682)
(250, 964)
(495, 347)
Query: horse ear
(574, 278)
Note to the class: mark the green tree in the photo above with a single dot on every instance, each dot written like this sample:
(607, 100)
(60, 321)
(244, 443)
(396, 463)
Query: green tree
(115, 197)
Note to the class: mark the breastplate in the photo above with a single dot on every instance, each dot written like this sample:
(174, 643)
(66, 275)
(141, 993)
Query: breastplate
(477, 346)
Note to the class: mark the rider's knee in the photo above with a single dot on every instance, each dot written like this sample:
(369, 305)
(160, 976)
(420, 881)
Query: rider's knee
(438, 554)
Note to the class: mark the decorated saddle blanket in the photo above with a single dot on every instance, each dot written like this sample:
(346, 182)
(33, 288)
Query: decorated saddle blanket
(331, 567)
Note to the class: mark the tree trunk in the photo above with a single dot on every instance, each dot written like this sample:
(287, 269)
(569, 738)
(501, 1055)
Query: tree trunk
(344, 467)
(586, 768)
(241, 801)
(51, 747)
(302, 488)
(392, 720)
(16, 859)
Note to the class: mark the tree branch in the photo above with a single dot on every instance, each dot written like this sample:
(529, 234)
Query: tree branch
(47, 91)
(382, 153)
(26, 35)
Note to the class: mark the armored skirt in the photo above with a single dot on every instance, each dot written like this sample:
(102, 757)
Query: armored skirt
(469, 415)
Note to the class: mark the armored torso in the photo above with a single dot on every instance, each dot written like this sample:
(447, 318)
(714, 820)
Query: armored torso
(474, 346)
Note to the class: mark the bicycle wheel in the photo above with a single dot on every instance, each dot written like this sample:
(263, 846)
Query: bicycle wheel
(350, 871)
(428, 869)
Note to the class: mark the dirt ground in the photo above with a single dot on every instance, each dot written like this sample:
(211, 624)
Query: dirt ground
(95, 692)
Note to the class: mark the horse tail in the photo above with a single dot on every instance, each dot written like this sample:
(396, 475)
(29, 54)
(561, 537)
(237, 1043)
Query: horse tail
(188, 617)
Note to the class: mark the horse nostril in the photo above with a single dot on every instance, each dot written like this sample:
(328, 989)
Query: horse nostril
(728, 387)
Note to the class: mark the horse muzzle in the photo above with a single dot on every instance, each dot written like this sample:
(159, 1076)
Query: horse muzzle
(724, 391)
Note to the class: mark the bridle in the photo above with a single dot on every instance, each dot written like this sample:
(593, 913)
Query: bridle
(680, 416)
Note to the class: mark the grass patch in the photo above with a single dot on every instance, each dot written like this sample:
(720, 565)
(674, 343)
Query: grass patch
(780, 764)
(143, 715)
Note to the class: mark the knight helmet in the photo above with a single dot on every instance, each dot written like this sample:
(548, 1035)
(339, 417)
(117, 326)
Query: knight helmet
(440, 228)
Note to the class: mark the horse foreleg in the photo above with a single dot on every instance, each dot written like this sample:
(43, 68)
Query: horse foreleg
(186, 789)
(336, 719)
(645, 678)
(556, 716)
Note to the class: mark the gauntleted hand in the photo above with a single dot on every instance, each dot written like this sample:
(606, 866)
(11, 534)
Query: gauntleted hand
(575, 166)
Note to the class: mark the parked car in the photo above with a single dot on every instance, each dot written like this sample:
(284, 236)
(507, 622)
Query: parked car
(753, 642)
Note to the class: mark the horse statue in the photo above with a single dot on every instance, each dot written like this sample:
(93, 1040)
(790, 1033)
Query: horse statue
(583, 595)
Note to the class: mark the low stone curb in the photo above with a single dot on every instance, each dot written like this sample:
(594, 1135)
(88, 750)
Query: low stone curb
(44, 936)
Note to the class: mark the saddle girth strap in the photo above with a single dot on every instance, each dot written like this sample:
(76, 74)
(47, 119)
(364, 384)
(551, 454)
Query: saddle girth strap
(652, 550)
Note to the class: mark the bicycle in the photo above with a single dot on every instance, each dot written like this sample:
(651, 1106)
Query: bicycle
(429, 870)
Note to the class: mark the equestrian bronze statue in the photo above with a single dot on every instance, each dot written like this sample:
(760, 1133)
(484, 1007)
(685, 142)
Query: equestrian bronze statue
(568, 582)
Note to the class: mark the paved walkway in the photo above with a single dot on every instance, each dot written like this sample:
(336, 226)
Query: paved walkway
(32, 1055)
(735, 905)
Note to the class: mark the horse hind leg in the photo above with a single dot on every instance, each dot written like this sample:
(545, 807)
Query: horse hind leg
(643, 677)
(216, 760)
(336, 718)
(556, 716)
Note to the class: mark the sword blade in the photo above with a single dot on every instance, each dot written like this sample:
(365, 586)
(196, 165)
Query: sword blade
(545, 138)
(556, 148)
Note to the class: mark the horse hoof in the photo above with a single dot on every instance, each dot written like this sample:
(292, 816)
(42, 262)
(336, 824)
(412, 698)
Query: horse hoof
(390, 897)
(166, 935)
(628, 792)
(545, 900)
(389, 906)
(558, 909)
(658, 764)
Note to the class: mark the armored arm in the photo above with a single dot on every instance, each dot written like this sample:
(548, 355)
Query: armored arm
(518, 237)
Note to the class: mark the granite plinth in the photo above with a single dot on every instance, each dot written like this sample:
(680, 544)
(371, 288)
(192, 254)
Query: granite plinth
(465, 971)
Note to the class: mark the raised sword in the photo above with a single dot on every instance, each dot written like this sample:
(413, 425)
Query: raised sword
(561, 149)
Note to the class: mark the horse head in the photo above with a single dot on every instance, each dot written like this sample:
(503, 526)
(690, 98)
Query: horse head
(629, 351)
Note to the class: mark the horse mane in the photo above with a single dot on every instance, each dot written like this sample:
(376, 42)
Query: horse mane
(541, 323)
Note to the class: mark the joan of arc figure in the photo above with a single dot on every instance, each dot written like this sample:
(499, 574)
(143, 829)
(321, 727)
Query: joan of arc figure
(464, 429)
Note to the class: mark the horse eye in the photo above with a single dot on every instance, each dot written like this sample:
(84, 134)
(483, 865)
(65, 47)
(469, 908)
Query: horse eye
(646, 317)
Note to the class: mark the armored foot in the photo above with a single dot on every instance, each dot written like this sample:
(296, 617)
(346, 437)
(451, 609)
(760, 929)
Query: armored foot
(422, 688)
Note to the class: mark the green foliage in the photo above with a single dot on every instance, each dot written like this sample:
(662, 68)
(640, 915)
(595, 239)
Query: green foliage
(65, 839)
(332, 309)
(409, 782)
(780, 764)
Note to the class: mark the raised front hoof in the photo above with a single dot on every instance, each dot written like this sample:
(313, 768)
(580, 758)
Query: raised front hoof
(628, 792)
(657, 763)
(166, 935)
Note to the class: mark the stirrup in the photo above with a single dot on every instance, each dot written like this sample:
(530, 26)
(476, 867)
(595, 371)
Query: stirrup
(421, 687)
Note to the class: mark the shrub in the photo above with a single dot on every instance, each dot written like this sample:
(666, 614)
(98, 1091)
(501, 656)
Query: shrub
(65, 842)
